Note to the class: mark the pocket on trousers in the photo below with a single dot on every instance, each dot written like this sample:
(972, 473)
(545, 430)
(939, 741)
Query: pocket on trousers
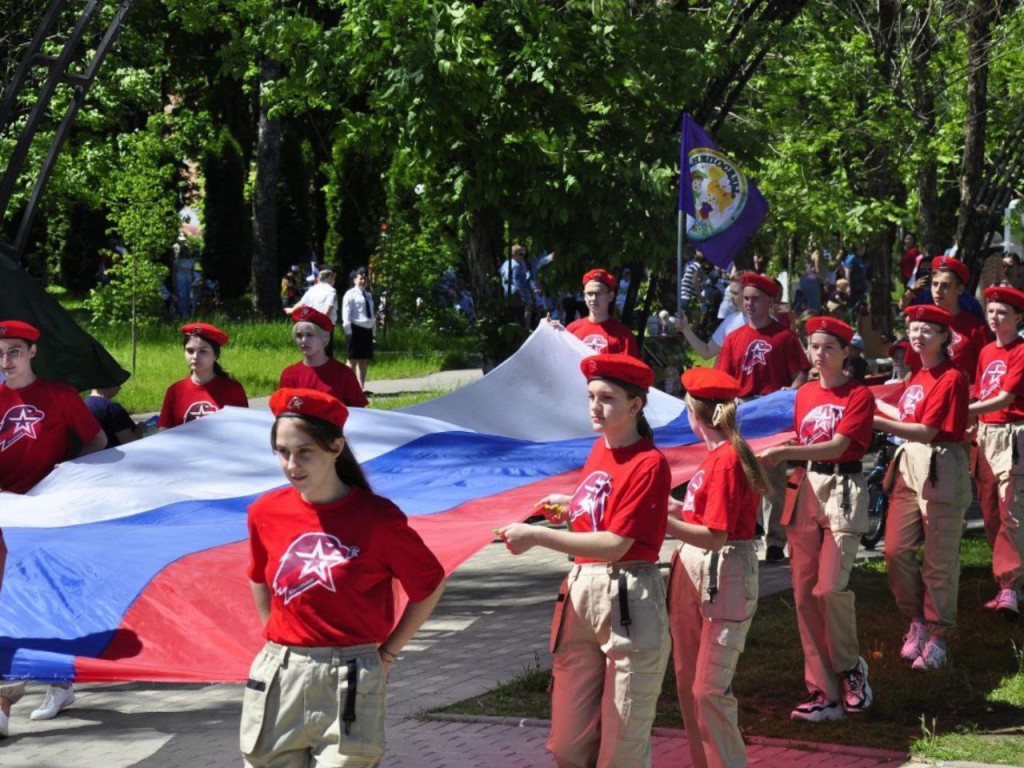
(735, 581)
(951, 482)
(365, 736)
(258, 690)
(853, 516)
(648, 619)
(1017, 454)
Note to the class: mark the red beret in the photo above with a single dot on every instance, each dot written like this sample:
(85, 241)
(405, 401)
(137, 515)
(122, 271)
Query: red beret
(710, 384)
(601, 276)
(898, 345)
(309, 402)
(16, 329)
(832, 326)
(929, 313)
(958, 267)
(624, 368)
(1005, 295)
(206, 331)
(762, 283)
(310, 315)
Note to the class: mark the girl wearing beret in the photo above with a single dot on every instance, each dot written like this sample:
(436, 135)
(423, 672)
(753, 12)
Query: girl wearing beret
(713, 578)
(929, 488)
(207, 388)
(325, 553)
(999, 387)
(609, 635)
(825, 517)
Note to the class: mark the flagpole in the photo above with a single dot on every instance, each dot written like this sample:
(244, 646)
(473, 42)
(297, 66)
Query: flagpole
(680, 239)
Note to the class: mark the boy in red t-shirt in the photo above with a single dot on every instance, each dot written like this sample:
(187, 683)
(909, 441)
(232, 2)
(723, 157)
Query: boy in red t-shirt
(37, 421)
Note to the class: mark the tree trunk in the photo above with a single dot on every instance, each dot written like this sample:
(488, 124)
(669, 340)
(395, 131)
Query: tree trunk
(484, 249)
(265, 295)
(929, 237)
(971, 224)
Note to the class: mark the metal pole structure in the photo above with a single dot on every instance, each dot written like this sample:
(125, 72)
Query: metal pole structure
(680, 241)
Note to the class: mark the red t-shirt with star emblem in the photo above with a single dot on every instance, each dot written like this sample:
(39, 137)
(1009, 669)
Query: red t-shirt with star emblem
(330, 567)
(332, 377)
(625, 491)
(937, 398)
(1001, 369)
(36, 425)
(820, 414)
(612, 337)
(719, 497)
(970, 335)
(763, 360)
(187, 401)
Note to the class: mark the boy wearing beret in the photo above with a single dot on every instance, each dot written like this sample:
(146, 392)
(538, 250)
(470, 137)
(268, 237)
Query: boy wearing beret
(38, 421)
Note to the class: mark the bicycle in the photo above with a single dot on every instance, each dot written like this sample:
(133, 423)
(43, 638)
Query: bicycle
(878, 502)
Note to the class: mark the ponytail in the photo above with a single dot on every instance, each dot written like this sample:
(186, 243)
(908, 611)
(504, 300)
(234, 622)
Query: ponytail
(721, 415)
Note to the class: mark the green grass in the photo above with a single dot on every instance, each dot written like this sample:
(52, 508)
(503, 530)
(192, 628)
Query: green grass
(974, 708)
(257, 354)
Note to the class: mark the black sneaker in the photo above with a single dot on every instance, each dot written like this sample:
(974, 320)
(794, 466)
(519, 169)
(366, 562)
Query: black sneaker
(817, 709)
(857, 696)
(774, 554)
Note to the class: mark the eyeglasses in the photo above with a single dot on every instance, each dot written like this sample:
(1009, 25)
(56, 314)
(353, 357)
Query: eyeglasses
(11, 354)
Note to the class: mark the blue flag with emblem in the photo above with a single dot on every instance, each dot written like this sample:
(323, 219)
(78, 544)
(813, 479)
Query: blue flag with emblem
(723, 207)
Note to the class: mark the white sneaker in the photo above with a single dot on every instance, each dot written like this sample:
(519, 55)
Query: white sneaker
(56, 699)
(932, 657)
(914, 641)
(5, 725)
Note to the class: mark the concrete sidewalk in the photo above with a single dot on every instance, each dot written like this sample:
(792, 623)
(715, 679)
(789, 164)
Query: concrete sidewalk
(491, 625)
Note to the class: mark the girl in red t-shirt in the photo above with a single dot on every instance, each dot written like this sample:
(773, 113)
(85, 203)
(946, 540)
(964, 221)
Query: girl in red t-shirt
(826, 514)
(930, 488)
(999, 387)
(713, 579)
(207, 388)
(325, 553)
(610, 630)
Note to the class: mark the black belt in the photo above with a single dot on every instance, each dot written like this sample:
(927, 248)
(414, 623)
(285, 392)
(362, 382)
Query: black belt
(832, 468)
(624, 619)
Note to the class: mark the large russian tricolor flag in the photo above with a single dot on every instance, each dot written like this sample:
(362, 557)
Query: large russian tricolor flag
(130, 564)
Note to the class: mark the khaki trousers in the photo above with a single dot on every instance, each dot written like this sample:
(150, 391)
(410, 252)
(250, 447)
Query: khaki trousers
(772, 506)
(13, 691)
(300, 708)
(824, 536)
(607, 675)
(708, 636)
(1001, 494)
(927, 508)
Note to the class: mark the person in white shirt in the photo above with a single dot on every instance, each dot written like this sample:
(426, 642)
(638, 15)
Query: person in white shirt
(357, 320)
(322, 297)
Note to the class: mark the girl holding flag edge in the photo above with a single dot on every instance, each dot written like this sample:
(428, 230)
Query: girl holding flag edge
(609, 635)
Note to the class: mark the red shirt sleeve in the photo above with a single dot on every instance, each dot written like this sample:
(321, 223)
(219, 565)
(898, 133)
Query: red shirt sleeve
(632, 348)
(795, 355)
(725, 355)
(411, 561)
(236, 395)
(166, 419)
(80, 419)
(858, 420)
(945, 406)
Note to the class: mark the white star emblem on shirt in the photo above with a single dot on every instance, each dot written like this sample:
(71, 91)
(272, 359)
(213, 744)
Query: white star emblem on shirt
(320, 563)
